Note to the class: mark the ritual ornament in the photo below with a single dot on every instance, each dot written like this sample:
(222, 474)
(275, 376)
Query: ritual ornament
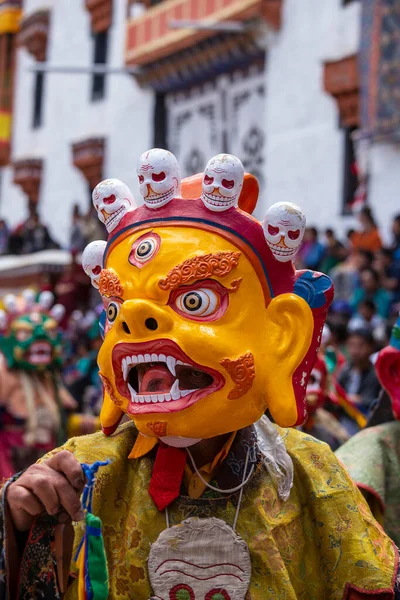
(222, 182)
(92, 261)
(30, 339)
(159, 177)
(284, 227)
(112, 199)
(200, 558)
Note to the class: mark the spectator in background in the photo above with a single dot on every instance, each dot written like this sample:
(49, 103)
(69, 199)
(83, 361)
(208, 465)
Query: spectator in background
(349, 235)
(15, 240)
(370, 289)
(358, 377)
(346, 275)
(396, 237)
(92, 229)
(36, 236)
(368, 319)
(66, 291)
(4, 234)
(368, 238)
(334, 252)
(338, 339)
(312, 251)
(77, 240)
(389, 272)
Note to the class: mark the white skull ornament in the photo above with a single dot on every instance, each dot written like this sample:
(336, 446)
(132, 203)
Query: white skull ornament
(222, 182)
(284, 226)
(112, 199)
(201, 559)
(46, 300)
(92, 261)
(159, 177)
(58, 312)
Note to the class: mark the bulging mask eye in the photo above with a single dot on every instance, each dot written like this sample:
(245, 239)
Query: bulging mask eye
(112, 312)
(202, 302)
(208, 180)
(144, 249)
(141, 179)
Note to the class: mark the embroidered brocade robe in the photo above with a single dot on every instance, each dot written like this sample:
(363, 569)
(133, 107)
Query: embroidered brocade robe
(322, 543)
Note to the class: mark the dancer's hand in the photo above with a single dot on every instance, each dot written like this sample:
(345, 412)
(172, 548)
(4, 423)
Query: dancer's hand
(53, 486)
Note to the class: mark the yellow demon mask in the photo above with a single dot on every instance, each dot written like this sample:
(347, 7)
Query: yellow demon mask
(207, 324)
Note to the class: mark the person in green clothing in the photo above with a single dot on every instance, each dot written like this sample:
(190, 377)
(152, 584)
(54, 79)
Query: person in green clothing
(370, 289)
(372, 457)
(335, 252)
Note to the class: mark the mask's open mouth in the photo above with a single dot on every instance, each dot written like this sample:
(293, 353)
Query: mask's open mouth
(39, 354)
(158, 376)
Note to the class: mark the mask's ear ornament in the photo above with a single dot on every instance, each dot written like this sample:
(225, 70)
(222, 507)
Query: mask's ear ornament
(222, 182)
(112, 199)
(92, 261)
(388, 369)
(284, 226)
(159, 177)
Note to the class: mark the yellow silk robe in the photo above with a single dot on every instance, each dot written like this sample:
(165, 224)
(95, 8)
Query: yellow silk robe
(322, 539)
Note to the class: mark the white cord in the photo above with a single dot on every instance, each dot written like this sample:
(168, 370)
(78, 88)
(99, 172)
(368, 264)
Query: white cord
(215, 489)
(241, 491)
(231, 491)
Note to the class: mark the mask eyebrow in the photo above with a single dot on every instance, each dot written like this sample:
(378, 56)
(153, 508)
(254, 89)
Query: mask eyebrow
(200, 267)
(110, 285)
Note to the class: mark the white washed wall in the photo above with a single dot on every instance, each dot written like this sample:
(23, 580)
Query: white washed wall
(385, 184)
(305, 147)
(230, 109)
(304, 152)
(124, 117)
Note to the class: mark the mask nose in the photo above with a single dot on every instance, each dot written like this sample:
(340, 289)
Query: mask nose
(141, 318)
(150, 191)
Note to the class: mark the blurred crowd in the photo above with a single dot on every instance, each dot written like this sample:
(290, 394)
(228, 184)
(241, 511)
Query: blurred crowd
(34, 236)
(80, 373)
(366, 275)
